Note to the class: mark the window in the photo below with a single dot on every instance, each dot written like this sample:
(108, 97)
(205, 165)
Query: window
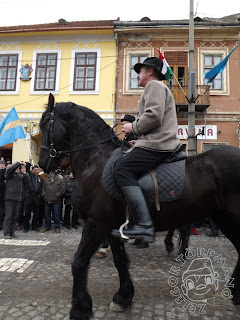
(131, 57)
(178, 62)
(208, 58)
(85, 71)
(133, 73)
(8, 72)
(45, 74)
(210, 61)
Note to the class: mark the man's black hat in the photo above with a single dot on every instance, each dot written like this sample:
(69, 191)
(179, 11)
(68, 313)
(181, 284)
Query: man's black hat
(128, 117)
(152, 62)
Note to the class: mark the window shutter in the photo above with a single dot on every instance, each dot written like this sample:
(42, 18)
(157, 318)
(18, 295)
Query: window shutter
(176, 58)
(170, 57)
(182, 58)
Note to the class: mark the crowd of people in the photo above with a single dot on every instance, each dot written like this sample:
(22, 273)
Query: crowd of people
(28, 201)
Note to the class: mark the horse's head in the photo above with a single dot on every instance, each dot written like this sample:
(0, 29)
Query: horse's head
(55, 139)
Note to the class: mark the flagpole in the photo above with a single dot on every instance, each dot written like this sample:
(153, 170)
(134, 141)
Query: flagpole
(29, 150)
(180, 87)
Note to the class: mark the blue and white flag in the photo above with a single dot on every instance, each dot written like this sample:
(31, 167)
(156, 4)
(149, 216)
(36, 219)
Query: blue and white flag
(211, 75)
(11, 129)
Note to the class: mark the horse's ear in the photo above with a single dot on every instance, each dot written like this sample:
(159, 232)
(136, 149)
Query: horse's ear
(50, 102)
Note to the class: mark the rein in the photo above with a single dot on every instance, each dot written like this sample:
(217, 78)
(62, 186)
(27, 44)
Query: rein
(53, 153)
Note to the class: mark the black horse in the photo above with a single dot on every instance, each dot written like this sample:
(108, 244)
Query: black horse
(212, 188)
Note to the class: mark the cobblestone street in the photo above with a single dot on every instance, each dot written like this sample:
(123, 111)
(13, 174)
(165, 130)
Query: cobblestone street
(36, 280)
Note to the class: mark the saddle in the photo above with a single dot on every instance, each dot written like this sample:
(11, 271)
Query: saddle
(164, 183)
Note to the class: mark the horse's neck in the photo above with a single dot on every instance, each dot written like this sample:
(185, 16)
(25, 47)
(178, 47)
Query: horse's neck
(92, 161)
(90, 142)
(88, 132)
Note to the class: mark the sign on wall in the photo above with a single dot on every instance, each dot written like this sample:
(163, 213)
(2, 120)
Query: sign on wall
(210, 134)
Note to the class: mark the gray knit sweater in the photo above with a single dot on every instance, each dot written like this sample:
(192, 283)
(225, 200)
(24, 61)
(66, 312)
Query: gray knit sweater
(156, 123)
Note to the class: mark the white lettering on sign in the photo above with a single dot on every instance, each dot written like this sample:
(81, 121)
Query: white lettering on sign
(210, 132)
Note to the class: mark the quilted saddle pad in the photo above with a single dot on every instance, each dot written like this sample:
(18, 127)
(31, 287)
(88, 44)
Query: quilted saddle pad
(170, 178)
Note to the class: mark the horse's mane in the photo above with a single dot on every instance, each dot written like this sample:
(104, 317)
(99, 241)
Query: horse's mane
(64, 108)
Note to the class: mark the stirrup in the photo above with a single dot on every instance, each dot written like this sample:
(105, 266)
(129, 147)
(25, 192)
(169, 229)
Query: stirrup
(121, 229)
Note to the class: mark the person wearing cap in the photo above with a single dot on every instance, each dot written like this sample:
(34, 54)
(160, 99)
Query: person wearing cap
(16, 182)
(129, 138)
(156, 130)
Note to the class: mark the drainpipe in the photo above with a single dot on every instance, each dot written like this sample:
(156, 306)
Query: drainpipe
(116, 76)
(239, 133)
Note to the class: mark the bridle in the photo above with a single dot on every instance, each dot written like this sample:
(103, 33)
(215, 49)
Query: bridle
(54, 153)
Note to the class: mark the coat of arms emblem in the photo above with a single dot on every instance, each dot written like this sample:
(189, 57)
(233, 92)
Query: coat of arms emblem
(26, 71)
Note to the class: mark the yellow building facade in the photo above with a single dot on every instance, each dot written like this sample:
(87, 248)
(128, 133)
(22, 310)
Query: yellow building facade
(75, 61)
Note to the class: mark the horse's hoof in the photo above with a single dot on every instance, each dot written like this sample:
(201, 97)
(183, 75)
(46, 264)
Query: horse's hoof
(116, 307)
(103, 250)
(169, 249)
(236, 302)
(100, 255)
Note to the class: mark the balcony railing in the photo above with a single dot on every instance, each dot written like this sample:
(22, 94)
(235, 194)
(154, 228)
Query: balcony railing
(202, 92)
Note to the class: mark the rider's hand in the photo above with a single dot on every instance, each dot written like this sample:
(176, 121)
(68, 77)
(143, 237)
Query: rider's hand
(132, 142)
(127, 128)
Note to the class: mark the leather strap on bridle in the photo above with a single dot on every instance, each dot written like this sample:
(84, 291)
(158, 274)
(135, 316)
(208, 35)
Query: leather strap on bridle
(55, 153)
(157, 199)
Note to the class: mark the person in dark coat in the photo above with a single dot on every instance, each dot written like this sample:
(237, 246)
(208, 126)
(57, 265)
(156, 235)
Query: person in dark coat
(69, 181)
(129, 138)
(14, 195)
(2, 189)
(33, 200)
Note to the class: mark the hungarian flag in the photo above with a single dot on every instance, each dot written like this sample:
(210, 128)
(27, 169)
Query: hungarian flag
(166, 70)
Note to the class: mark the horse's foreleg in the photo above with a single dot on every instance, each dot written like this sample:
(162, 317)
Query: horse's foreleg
(229, 223)
(184, 238)
(235, 285)
(123, 298)
(81, 300)
(168, 241)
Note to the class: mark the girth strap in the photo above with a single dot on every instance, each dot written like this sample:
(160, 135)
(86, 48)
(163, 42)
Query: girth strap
(157, 199)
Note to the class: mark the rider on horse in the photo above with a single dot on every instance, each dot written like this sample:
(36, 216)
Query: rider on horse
(156, 132)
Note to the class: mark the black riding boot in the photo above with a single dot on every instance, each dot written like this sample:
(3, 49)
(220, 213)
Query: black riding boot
(142, 227)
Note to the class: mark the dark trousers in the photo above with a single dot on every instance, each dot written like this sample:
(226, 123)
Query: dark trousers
(2, 213)
(41, 212)
(11, 215)
(213, 227)
(32, 204)
(66, 220)
(20, 217)
(135, 163)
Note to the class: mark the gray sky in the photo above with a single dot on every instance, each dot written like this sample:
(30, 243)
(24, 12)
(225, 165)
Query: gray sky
(19, 12)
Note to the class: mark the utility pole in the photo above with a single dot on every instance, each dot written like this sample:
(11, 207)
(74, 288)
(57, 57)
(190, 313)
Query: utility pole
(191, 86)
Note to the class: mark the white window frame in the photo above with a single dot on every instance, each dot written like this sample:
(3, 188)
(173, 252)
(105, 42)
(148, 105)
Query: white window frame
(16, 92)
(97, 80)
(128, 52)
(225, 74)
(56, 91)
